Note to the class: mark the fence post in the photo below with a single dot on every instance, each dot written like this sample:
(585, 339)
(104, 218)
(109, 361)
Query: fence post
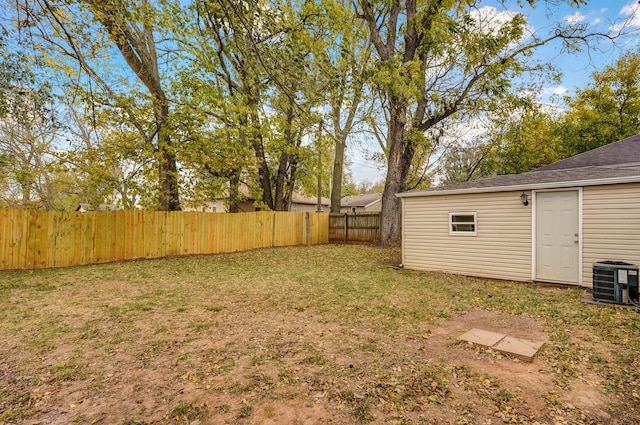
(308, 229)
(273, 230)
(346, 227)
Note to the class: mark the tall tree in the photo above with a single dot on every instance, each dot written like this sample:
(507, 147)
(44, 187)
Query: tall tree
(227, 48)
(467, 162)
(606, 110)
(437, 59)
(317, 165)
(132, 29)
(346, 64)
(258, 58)
(297, 92)
(28, 130)
(524, 140)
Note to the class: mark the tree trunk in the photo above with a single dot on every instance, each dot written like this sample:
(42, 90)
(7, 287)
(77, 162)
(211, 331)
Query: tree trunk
(264, 175)
(290, 184)
(319, 204)
(168, 198)
(281, 202)
(287, 196)
(338, 167)
(280, 183)
(255, 137)
(136, 43)
(234, 193)
(398, 166)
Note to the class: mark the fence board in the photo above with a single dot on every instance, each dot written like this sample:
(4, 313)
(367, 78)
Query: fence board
(359, 227)
(119, 236)
(75, 234)
(5, 234)
(42, 239)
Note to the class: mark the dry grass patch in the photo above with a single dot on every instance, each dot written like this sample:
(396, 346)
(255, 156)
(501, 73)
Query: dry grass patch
(327, 334)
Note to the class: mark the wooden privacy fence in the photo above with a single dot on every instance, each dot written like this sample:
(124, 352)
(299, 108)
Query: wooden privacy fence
(42, 239)
(357, 227)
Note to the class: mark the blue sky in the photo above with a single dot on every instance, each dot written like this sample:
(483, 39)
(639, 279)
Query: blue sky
(601, 17)
(607, 17)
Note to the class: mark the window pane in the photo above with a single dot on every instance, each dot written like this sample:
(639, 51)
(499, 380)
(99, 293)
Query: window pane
(462, 219)
(464, 227)
(462, 223)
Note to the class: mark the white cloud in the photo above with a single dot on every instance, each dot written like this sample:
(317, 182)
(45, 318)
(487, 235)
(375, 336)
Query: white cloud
(556, 91)
(575, 18)
(546, 92)
(630, 15)
(592, 18)
(629, 9)
(489, 20)
(547, 97)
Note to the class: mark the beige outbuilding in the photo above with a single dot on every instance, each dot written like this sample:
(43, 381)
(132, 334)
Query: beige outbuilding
(547, 225)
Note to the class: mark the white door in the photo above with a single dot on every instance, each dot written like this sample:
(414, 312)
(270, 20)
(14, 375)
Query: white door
(557, 237)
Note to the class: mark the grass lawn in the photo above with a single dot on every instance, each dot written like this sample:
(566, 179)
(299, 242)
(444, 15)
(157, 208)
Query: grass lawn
(327, 334)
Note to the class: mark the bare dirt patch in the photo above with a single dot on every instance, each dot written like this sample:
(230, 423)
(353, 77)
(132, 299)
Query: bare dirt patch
(531, 383)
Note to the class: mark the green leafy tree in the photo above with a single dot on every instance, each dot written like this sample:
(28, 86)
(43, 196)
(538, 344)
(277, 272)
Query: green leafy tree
(316, 165)
(251, 73)
(88, 34)
(526, 141)
(605, 111)
(436, 61)
(224, 49)
(467, 162)
(29, 177)
(298, 92)
(237, 59)
(346, 64)
(107, 156)
(528, 135)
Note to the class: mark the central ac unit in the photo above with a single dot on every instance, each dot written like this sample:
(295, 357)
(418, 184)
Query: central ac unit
(615, 282)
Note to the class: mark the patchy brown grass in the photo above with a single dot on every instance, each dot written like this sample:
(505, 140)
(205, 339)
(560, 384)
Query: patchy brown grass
(327, 334)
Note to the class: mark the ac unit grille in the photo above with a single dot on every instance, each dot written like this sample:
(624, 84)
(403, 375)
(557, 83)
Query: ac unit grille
(614, 281)
(604, 285)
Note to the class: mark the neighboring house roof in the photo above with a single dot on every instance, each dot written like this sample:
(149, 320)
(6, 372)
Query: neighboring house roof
(299, 199)
(101, 207)
(296, 197)
(617, 162)
(365, 200)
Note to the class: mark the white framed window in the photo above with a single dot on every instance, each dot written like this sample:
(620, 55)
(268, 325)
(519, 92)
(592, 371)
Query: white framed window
(463, 223)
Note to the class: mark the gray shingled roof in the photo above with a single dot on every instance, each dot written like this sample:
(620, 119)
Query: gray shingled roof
(617, 162)
(301, 199)
(622, 152)
(360, 200)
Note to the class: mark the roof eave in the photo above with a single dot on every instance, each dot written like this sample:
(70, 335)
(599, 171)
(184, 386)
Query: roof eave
(369, 205)
(530, 186)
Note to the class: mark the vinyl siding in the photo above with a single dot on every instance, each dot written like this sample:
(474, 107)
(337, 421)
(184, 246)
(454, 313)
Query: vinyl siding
(309, 207)
(501, 249)
(611, 226)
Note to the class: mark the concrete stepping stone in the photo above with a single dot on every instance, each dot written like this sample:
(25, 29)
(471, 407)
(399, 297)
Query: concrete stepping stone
(520, 348)
(482, 337)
